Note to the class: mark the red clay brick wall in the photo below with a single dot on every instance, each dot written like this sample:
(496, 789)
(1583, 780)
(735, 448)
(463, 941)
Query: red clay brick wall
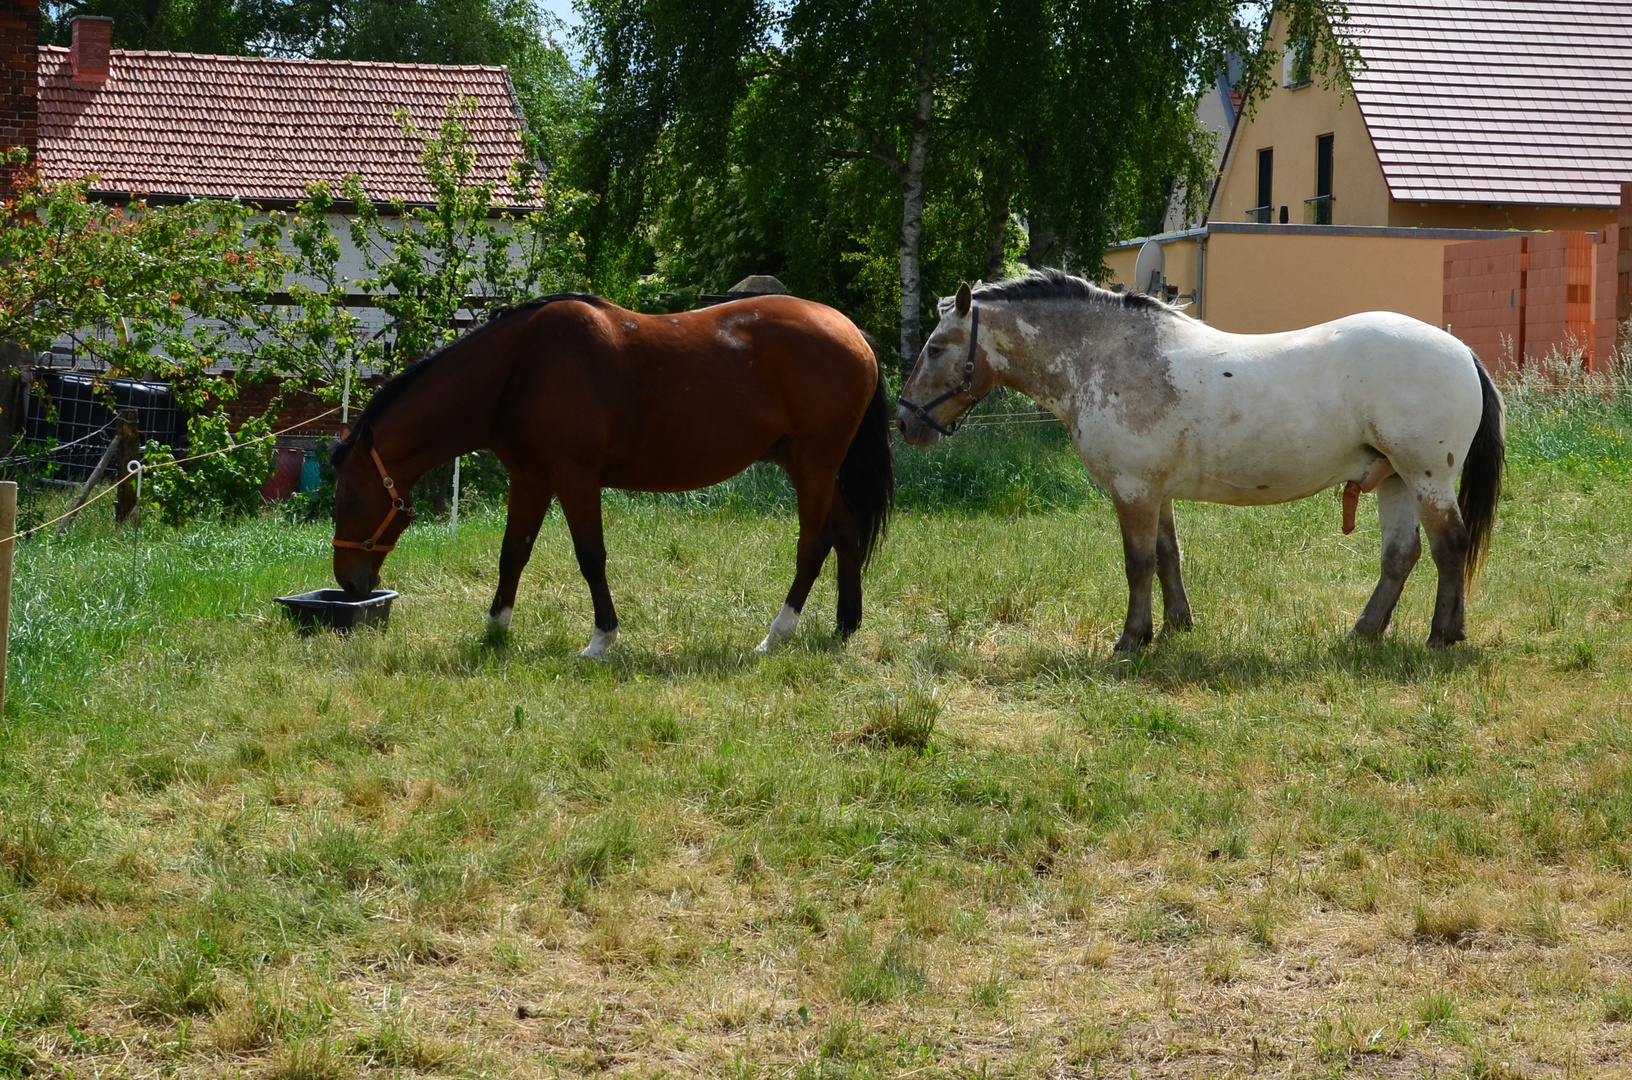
(1623, 260)
(1558, 294)
(19, 79)
(1603, 305)
(1484, 298)
(298, 407)
(90, 56)
(1517, 299)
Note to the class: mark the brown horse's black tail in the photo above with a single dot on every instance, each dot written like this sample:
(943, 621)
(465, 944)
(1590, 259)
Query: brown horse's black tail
(1481, 487)
(867, 476)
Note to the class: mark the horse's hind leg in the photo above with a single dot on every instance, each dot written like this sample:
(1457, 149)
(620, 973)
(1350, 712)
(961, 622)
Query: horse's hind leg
(816, 492)
(847, 548)
(1175, 605)
(581, 504)
(1402, 547)
(1448, 543)
(1141, 524)
(529, 502)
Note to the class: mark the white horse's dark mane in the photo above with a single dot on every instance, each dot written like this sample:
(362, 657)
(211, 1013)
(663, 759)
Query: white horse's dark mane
(1051, 284)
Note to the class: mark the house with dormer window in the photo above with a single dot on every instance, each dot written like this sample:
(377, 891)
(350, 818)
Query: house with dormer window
(1466, 121)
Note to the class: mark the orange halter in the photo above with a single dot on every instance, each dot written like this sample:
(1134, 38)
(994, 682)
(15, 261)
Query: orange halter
(397, 503)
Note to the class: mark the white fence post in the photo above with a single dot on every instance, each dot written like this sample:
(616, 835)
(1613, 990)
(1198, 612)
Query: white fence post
(453, 525)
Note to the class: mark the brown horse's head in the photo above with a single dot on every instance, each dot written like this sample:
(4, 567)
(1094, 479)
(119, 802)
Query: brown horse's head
(950, 377)
(370, 512)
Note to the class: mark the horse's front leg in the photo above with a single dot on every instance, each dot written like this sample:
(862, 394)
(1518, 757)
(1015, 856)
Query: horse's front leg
(580, 495)
(529, 502)
(1141, 524)
(1402, 547)
(1175, 605)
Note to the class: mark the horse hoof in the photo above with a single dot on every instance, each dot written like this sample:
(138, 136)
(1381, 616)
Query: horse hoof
(786, 622)
(499, 622)
(1127, 644)
(599, 643)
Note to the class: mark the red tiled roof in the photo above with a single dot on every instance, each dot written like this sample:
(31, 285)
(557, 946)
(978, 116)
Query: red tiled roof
(224, 126)
(1527, 102)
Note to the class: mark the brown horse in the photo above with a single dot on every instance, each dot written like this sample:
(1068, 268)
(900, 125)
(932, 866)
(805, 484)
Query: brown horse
(575, 394)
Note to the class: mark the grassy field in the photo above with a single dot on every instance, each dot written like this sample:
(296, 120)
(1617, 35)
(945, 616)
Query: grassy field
(969, 842)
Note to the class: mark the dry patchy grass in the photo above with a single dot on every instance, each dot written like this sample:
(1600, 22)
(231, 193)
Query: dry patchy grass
(969, 841)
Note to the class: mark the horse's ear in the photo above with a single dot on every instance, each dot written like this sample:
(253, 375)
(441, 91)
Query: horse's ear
(966, 299)
(364, 440)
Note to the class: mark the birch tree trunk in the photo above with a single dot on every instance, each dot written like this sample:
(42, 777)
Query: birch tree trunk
(912, 209)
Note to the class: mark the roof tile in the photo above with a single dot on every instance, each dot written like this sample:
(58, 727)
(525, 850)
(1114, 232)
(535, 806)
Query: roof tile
(1526, 102)
(179, 124)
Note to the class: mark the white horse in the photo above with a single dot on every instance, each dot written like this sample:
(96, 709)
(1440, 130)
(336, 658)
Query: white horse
(1163, 407)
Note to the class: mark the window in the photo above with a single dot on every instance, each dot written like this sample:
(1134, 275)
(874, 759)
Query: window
(1266, 187)
(1295, 66)
(1318, 210)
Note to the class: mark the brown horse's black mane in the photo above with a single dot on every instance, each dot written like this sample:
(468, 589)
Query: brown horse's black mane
(387, 395)
(1051, 284)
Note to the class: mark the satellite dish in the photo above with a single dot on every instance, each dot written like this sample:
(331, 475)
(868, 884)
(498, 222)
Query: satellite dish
(1150, 269)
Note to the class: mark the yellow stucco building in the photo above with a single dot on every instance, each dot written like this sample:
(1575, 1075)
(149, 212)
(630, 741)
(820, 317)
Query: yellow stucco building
(1458, 127)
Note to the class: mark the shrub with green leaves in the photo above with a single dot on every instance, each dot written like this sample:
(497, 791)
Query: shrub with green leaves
(150, 290)
(226, 483)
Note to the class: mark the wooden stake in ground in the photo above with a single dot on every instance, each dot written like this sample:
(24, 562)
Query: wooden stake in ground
(128, 443)
(8, 540)
(85, 492)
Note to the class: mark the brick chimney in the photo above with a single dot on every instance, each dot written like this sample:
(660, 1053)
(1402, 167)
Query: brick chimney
(19, 80)
(88, 55)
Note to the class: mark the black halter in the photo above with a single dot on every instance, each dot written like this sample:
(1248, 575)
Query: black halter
(922, 411)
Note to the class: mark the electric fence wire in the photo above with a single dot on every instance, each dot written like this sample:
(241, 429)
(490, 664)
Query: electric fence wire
(110, 489)
(34, 455)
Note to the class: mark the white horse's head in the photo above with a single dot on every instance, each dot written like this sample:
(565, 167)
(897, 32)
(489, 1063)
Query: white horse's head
(951, 375)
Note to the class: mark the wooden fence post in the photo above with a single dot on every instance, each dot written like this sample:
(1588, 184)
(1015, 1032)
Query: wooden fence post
(8, 541)
(1623, 264)
(128, 439)
(90, 482)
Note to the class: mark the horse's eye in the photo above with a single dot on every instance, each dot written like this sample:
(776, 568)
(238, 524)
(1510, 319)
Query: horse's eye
(935, 351)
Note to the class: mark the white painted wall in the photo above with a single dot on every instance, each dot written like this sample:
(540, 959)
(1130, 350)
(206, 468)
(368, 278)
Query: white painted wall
(352, 266)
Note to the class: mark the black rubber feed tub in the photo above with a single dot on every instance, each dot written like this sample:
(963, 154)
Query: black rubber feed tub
(337, 610)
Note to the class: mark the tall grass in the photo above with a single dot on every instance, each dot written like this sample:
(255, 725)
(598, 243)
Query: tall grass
(968, 839)
(1009, 458)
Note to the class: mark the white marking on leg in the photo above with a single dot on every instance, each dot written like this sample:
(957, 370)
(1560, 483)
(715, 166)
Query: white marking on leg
(787, 621)
(501, 620)
(599, 643)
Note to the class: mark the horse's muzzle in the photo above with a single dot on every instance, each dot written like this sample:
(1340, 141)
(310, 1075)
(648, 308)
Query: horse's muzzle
(358, 578)
(913, 428)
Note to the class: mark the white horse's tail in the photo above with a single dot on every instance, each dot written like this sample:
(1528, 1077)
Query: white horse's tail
(1481, 487)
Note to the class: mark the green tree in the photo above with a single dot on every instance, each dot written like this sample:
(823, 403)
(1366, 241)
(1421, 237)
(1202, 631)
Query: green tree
(714, 132)
(201, 26)
(439, 267)
(166, 291)
(431, 269)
